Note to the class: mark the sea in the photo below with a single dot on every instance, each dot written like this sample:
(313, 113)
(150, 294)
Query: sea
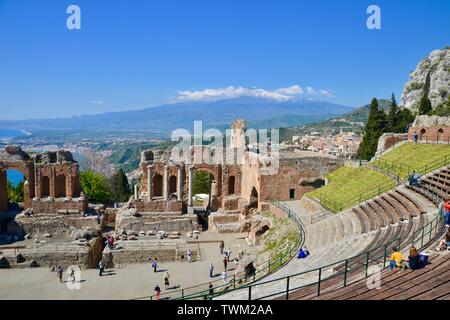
(10, 133)
(14, 176)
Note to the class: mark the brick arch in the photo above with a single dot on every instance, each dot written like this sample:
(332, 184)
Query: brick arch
(26, 168)
(422, 133)
(440, 134)
(215, 172)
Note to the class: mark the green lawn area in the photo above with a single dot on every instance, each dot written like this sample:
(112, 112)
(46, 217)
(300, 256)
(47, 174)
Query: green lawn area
(422, 158)
(349, 186)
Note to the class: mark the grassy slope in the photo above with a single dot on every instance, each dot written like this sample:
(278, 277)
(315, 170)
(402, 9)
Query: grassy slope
(346, 184)
(410, 156)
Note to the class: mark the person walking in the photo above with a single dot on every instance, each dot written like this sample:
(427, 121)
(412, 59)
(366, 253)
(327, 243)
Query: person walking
(211, 269)
(72, 275)
(225, 263)
(224, 277)
(166, 280)
(155, 264)
(221, 246)
(101, 266)
(210, 290)
(228, 254)
(157, 292)
(189, 255)
(59, 273)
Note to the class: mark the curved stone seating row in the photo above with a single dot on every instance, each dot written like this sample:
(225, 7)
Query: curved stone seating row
(438, 182)
(388, 209)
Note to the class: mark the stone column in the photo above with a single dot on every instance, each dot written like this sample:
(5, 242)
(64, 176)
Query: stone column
(149, 182)
(135, 192)
(165, 183)
(52, 182)
(180, 184)
(3, 191)
(190, 178)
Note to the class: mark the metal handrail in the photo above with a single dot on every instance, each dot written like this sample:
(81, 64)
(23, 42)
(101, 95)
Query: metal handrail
(435, 226)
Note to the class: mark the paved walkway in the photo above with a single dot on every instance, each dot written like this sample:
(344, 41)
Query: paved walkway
(133, 281)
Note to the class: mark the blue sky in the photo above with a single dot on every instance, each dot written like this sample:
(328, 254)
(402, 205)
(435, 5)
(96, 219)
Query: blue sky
(135, 54)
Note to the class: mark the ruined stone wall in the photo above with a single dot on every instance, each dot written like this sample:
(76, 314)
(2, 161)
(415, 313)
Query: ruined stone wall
(48, 174)
(59, 206)
(114, 258)
(302, 174)
(432, 129)
(158, 205)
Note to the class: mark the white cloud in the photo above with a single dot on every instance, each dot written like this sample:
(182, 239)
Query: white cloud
(295, 89)
(327, 93)
(281, 94)
(98, 103)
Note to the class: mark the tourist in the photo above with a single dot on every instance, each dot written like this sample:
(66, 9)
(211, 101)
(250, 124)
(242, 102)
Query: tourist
(224, 277)
(444, 243)
(228, 254)
(166, 279)
(447, 213)
(225, 263)
(305, 250)
(157, 292)
(221, 246)
(189, 255)
(59, 273)
(155, 264)
(210, 289)
(301, 254)
(413, 261)
(72, 275)
(211, 269)
(415, 137)
(396, 259)
(101, 266)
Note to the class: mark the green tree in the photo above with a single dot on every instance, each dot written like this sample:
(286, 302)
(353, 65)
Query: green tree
(120, 188)
(393, 116)
(398, 119)
(442, 110)
(425, 106)
(375, 127)
(95, 187)
(201, 182)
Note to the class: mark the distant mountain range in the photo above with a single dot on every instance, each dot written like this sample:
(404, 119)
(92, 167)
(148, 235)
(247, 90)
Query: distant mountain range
(259, 112)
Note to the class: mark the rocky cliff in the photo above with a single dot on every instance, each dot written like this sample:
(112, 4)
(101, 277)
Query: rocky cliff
(438, 66)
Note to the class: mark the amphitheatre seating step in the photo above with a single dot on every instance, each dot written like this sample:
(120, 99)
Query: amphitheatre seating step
(442, 181)
(377, 212)
(392, 214)
(366, 226)
(373, 219)
(429, 282)
(416, 204)
(401, 209)
(437, 185)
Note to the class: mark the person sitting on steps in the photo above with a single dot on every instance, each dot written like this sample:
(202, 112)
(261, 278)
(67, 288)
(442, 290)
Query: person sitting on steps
(396, 259)
(413, 261)
(444, 243)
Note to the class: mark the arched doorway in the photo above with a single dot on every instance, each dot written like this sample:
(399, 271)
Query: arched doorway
(423, 134)
(231, 185)
(157, 185)
(60, 186)
(172, 184)
(45, 187)
(4, 224)
(254, 199)
(13, 182)
(440, 135)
